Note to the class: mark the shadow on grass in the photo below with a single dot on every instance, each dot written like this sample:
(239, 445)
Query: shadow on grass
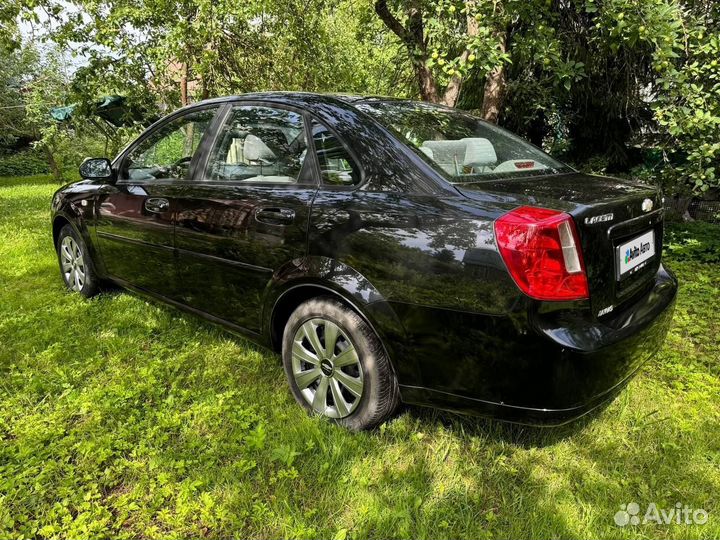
(521, 435)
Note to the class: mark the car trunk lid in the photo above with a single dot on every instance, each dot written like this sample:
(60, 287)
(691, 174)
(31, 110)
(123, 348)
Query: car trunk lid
(611, 215)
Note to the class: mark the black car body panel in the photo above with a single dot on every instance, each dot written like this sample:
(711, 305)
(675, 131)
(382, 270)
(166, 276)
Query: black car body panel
(415, 255)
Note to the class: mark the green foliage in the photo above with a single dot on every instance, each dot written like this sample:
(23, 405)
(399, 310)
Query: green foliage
(123, 418)
(17, 67)
(23, 164)
(592, 80)
(582, 76)
(696, 242)
(32, 82)
(142, 50)
(457, 51)
(688, 108)
(223, 47)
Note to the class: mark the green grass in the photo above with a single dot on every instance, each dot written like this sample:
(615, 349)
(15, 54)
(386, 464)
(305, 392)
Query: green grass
(124, 418)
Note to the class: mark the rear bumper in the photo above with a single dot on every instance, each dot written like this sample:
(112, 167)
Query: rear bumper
(562, 368)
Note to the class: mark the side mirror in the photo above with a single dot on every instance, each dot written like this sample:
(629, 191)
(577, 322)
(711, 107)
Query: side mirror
(96, 169)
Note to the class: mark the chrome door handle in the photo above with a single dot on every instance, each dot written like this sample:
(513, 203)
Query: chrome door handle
(275, 216)
(157, 205)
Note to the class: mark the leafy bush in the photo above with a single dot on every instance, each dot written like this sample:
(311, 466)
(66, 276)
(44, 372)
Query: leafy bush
(693, 241)
(24, 163)
(689, 110)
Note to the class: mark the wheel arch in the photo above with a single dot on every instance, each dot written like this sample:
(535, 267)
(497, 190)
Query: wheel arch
(378, 315)
(295, 294)
(60, 219)
(73, 217)
(58, 222)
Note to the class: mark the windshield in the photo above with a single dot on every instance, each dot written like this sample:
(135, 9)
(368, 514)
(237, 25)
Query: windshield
(462, 147)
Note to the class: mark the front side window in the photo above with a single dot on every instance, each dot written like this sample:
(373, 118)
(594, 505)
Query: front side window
(462, 147)
(168, 151)
(337, 166)
(259, 144)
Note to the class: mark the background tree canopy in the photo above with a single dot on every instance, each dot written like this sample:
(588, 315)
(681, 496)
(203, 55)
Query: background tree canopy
(620, 86)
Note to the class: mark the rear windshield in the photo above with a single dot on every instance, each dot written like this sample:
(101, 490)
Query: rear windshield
(460, 146)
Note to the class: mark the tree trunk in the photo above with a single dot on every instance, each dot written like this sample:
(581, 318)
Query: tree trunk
(54, 169)
(426, 82)
(452, 92)
(494, 94)
(184, 84)
(413, 38)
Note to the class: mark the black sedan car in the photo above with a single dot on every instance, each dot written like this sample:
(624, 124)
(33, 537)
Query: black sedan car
(390, 250)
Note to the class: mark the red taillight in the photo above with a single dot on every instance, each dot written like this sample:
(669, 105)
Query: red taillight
(542, 251)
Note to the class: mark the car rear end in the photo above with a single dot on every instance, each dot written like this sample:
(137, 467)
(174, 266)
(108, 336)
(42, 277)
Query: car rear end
(593, 301)
(599, 301)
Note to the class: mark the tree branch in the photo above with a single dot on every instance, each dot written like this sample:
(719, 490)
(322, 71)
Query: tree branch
(383, 11)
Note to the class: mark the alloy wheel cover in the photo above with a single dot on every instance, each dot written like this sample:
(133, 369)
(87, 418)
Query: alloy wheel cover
(326, 368)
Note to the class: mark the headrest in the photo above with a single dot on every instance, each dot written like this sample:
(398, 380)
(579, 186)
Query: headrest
(427, 151)
(479, 152)
(237, 133)
(450, 155)
(255, 149)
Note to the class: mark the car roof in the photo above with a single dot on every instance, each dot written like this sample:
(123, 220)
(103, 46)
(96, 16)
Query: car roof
(300, 99)
(328, 105)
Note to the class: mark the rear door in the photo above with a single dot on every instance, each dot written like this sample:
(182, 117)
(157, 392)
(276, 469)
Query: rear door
(135, 229)
(245, 214)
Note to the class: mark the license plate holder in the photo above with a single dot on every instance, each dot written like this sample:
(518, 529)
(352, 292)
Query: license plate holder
(633, 255)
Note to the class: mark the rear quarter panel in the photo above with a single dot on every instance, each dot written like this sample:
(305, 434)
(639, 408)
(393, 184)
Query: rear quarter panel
(425, 257)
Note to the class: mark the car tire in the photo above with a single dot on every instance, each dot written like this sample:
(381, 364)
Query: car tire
(76, 267)
(353, 384)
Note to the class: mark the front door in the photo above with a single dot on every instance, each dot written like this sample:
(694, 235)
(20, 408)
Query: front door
(135, 216)
(246, 215)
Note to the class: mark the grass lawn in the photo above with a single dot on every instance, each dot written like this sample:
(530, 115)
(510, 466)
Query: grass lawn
(124, 418)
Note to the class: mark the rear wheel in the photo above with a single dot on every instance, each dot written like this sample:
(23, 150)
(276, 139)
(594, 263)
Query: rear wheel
(336, 365)
(76, 267)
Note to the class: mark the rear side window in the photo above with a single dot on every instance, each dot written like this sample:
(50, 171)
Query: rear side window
(259, 144)
(460, 146)
(337, 166)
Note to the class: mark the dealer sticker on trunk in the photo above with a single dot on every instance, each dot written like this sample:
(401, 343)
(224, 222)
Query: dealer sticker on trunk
(634, 254)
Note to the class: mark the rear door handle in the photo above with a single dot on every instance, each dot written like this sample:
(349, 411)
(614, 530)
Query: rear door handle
(275, 216)
(157, 205)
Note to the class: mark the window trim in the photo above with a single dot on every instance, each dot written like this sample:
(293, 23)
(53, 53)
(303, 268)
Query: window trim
(334, 187)
(202, 170)
(119, 162)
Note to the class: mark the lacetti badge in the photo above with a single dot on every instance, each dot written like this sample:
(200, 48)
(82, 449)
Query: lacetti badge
(635, 251)
(647, 205)
(599, 219)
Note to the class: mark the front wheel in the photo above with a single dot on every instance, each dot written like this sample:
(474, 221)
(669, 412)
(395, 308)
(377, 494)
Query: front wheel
(76, 267)
(336, 365)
